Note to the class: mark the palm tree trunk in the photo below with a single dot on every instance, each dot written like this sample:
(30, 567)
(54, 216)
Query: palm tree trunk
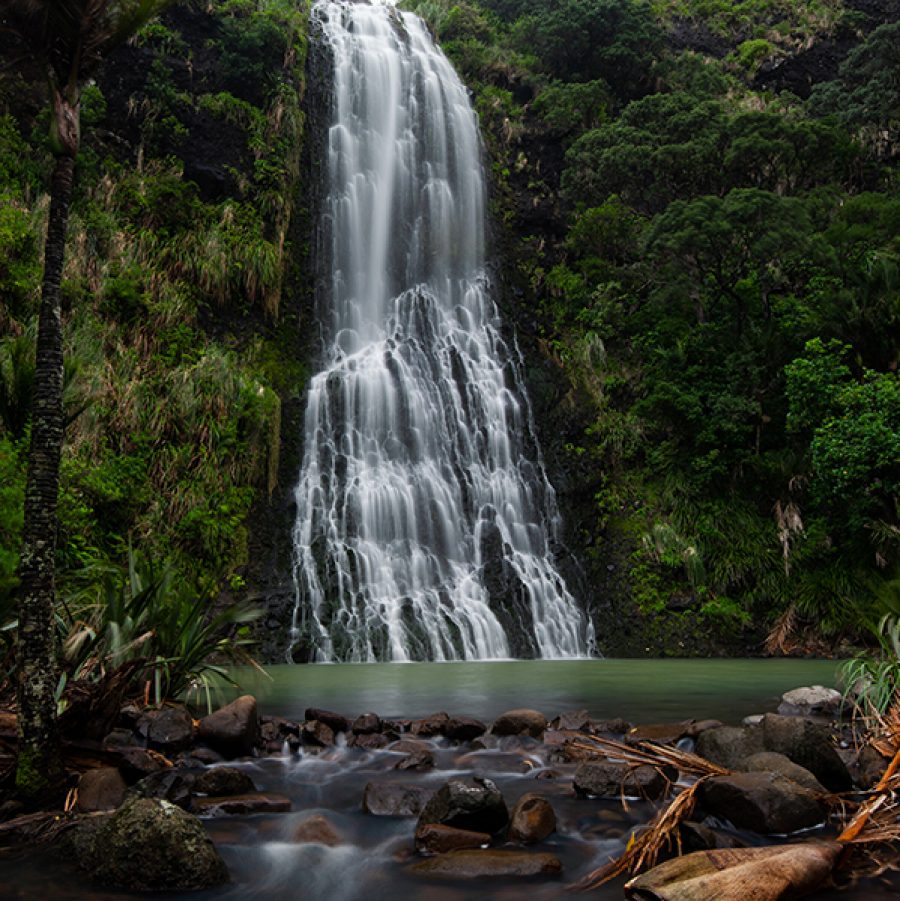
(40, 770)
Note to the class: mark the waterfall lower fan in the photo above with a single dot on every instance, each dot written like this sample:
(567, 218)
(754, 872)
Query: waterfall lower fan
(425, 517)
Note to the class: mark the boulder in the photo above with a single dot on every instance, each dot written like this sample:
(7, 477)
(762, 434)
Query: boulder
(612, 779)
(702, 837)
(433, 838)
(408, 746)
(136, 763)
(241, 805)
(223, 780)
(809, 745)
(694, 729)
(317, 734)
(490, 863)
(233, 729)
(464, 728)
(394, 799)
(520, 722)
(474, 804)
(429, 726)
(870, 767)
(317, 830)
(616, 726)
(335, 721)
(367, 724)
(572, 721)
(153, 846)
(813, 701)
(762, 802)
(100, 789)
(169, 729)
(371, 741)
(773, 762)
(729, 745)
(120, 738)
(174, 785)
(532, 819)
(417, 760)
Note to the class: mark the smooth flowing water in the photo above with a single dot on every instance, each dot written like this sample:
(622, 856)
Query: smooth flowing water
(426, 523)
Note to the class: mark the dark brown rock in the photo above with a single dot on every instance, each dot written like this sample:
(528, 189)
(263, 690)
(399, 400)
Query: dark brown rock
(317, 734)
(694, 729)
(121, 738)
(729, 745)
(762, 802)
(223, 780)
(475, 804)
(616, 726)
(808, 744)
(572, 721)
(395, 799)
(169, 729)
(700, 837)
(870, 766)
(241, 805)
(612, 779)
(532, 819)
(233, 730)
(435, 838)
(335, 721)
(661, 733)
(409, 746)
(488, 864)
(100, 789)
(464, 728)
(367, 724)
(173, 785)
(417, 760)
(136, 763)
(773, 762)
(371, 741)
(520, 722)
(318, 830)
(430, 726)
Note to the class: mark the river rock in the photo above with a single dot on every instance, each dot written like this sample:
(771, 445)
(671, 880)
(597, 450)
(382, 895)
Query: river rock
(572, 721)
(661, 733)
(366, 724)
(809, 745)
(174, 785)
(417, 760)
(318, 830)
(474, 804)
(153, 846)
(695, 728)
(464, 728)
(532, 819)
(136, 763)
(317, 734)
(616, 726)
(870, 767)
(773, 762)
(370, 741)
(430, 726)
(434, 838)
(813, 701)
(169, 729)
(729, 745)
(394, 799)
(241, 805)
(100, 789)
(233, 729)
(520, 722)
(408, 746)
(486, 864)
(702, 837)
(335, 721)
(612, 779)
(223, 780)
(121, 738)
(762, 802)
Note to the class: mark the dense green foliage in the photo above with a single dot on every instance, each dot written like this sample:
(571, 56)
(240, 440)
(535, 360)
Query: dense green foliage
(715, 269)
(178, 355)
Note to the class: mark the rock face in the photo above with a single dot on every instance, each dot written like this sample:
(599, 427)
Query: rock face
(761, 802)
(475, 804)
(531, 820)
(611, 779)
(153, 846)
(222, 781)
(434, 838)
(101, 789)
(488, 863)
(394, 799)
(773, 762)
(233, 729)
(520, 722)
(729, 745)
(809, 745)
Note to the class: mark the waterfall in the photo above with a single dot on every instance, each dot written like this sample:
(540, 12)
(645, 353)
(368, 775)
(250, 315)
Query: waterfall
(425, 520)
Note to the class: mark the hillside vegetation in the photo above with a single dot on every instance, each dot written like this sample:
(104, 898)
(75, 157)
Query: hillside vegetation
(711, 262)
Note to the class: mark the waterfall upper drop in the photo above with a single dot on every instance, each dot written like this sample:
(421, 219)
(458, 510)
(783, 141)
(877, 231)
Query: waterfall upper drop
(424, 515)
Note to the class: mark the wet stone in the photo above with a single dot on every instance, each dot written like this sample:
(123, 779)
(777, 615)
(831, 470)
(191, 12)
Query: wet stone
(367, 724)
(434, 838)
(464, 728)
(417, 760)
(318, 830)
(395, 799)
(486, 864)
(520, 722)
(532, 819)
(372, 741)
(612, 779)
(474, 804)
(223, 780)
(317, 734)
(430, 726)
(100, 789)
(241, 805)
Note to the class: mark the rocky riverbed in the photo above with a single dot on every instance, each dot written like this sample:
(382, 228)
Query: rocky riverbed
(441, 807)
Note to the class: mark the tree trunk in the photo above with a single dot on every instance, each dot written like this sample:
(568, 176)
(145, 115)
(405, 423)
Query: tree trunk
(40, 770)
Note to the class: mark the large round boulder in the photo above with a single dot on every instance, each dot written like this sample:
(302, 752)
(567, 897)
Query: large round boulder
(474, 804)
(153, 846)
(612, 778)
(808, 744)
(520, 722)
(233, 729)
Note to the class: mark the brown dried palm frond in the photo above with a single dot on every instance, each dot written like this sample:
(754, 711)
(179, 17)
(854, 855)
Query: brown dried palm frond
(650, 754)
(643, 850)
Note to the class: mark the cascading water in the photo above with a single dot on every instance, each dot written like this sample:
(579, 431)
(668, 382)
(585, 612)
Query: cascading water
(423, 510)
